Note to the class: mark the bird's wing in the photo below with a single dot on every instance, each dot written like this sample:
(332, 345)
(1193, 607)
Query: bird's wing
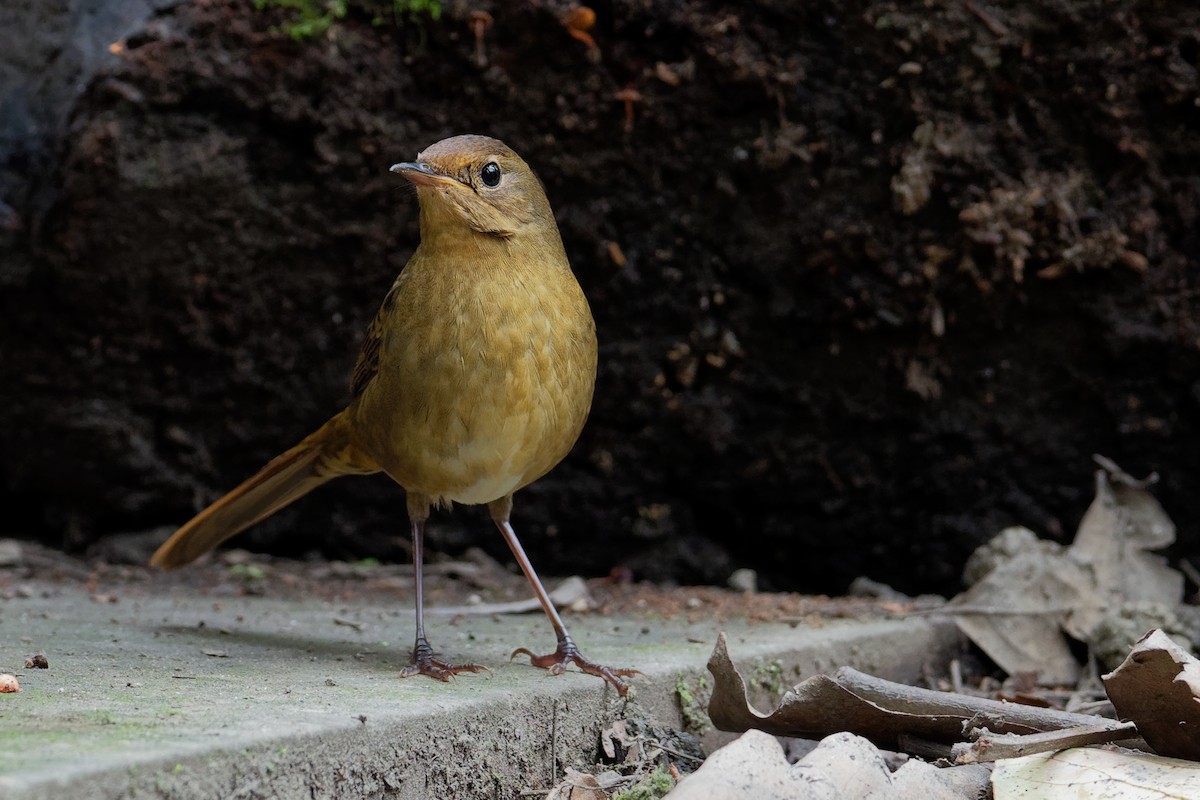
(368, 357)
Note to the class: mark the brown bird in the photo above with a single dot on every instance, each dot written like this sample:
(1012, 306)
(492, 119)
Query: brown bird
(474, 380)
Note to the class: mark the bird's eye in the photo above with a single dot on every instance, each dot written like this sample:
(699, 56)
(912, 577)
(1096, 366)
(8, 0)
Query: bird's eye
(491, 174)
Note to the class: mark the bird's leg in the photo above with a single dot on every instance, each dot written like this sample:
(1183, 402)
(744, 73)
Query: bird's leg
(566, 652)
(423, 662)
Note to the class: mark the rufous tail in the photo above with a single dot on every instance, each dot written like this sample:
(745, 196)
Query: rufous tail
(324, 455)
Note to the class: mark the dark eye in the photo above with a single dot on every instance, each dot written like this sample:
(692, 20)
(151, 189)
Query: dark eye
(491, 174)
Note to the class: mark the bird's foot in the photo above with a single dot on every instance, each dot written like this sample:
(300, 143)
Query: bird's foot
(423, 663)
(568, 653)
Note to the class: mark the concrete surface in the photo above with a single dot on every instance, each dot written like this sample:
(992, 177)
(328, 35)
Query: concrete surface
(172, 694)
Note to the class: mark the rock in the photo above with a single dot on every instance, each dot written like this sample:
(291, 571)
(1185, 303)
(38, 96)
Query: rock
(743, 580)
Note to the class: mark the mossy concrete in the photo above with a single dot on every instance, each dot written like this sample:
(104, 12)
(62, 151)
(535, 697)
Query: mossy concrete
(169, 694)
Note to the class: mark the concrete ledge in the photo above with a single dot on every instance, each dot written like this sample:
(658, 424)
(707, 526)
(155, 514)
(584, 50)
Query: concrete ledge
(176, 695)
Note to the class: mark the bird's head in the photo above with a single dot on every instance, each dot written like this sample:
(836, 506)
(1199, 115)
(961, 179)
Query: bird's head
(477, 182)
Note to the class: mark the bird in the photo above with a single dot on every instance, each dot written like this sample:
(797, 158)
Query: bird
(474, 379)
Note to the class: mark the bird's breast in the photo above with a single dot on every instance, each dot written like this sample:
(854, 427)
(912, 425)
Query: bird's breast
(484, 381)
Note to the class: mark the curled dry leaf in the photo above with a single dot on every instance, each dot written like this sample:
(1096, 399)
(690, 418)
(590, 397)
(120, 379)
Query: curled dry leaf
(880, 710)
(1158, 689)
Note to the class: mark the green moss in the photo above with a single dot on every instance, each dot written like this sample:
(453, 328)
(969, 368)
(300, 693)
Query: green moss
(312, 18)
(693, 704)
(430, 8)
(769, 676)
(651, 787)
(250, 572)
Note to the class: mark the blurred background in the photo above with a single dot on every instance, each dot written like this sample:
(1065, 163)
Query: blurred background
(872, 280)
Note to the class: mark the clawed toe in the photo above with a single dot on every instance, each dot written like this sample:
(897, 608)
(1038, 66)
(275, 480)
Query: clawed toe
(440, 670)
(423, 663)
(568, 653)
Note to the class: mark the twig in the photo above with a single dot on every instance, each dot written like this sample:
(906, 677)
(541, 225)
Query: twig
(672, 751)
(831, 475)
(956, 678)
(567, 593)
(993, 611)
(915, 745)
(913, 700)
(994, 25)
(349, 623)
(1190, 571)
(990, 746)
(1096, 707)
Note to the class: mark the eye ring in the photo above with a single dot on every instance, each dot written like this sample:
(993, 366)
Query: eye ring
(490, 174)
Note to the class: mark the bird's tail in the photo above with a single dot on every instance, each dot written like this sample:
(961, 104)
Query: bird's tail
(324, 455)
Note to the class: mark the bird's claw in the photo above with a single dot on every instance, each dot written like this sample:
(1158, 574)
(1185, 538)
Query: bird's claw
(568, 653)
(423, 663)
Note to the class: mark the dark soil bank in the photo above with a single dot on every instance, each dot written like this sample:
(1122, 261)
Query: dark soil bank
(871, 279)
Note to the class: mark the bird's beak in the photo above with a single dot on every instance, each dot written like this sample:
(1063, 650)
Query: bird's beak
(422, 174)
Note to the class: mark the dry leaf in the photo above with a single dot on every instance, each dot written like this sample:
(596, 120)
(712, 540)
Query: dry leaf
(1015, 612)
(1123, 522)
(813, 708)
(880, 710)
(577, 786)
(1026, 592)
(619, 744)
(1158, 689)
(1093, 772)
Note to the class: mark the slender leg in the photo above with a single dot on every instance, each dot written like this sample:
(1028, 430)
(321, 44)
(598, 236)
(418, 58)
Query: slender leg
(423, 662)
(566, 652)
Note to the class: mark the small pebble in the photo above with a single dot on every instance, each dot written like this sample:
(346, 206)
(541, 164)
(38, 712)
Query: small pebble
(744, 580)
(10, 553)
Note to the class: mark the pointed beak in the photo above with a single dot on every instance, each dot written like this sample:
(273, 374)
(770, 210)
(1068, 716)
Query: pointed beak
(422, 174)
